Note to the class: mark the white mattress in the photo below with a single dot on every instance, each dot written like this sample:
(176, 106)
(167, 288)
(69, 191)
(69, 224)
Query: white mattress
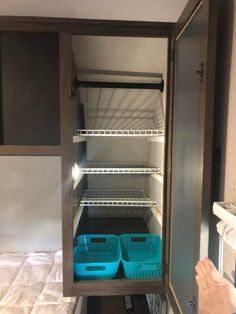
(32, 283)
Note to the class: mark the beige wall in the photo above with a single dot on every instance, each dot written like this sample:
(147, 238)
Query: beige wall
(30, 204)
(143, 10)
(228, 175)
(225, 112)
(225, 98)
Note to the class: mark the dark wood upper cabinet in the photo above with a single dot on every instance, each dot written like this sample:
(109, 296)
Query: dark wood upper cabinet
(29, 88)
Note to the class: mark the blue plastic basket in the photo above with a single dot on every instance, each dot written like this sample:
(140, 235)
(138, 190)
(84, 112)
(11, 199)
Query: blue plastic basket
(96, 257)
(141, 255)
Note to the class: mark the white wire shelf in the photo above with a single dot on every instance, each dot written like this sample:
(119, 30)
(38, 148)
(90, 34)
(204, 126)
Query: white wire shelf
(132, 198)
(117, 168)
(137, 133)
(226, 211)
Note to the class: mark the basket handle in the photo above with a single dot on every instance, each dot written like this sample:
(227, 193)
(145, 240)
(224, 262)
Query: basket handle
(95, 268)
(98, 240)
(149, 267)
(138, 239)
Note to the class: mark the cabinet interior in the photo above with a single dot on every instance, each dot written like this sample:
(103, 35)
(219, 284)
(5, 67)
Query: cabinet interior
(119, 135)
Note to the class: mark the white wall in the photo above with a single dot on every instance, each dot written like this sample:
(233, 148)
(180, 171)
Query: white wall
(117, 150)
(137, 54)
(228, 98)
(156, 159)
(30, 204)
(143, 10)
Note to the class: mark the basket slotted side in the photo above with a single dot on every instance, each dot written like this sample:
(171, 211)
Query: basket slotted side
(141, 255)
(96, 257)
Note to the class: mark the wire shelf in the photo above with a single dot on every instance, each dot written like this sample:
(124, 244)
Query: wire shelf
(118, 168)
(132, 198)
(226, 211)
(137, 133)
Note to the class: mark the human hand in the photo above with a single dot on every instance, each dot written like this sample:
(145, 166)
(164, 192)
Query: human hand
(216, 294)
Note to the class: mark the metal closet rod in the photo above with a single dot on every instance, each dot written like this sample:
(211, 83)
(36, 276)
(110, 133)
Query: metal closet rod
(124, 85)
(120, 73)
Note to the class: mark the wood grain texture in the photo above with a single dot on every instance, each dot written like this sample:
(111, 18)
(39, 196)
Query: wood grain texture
(30, 88)
(168, 162)
(168, 169)
(30, 150)
(65, 62)
(204, 200)
(205, 132)
(117, 287)
(86, 26)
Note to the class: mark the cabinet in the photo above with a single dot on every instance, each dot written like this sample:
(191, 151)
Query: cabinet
(187, 146)
(30, 108)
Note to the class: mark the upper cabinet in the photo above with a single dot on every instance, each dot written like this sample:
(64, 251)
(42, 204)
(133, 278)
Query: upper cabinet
(29, 98)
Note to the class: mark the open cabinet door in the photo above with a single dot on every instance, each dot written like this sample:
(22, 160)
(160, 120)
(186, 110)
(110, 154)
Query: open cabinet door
(190, 149)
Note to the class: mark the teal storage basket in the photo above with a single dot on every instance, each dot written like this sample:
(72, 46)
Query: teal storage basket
(96, 257)
(141, 255)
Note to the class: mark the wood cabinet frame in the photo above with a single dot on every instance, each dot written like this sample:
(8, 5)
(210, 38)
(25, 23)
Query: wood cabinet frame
(117, 286)
(66, 28)
(205, 138)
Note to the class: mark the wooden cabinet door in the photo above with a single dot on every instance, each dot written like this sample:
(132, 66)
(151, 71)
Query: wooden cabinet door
(190, 148)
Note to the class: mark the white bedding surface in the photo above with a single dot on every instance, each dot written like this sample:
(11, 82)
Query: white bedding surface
(32, 283)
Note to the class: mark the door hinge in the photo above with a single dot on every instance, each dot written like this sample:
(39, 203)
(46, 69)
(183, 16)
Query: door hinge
(200, 72)
(192, 302)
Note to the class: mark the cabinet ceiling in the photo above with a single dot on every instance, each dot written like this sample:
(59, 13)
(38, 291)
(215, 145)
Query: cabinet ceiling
(136, 10)
(119, 59)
